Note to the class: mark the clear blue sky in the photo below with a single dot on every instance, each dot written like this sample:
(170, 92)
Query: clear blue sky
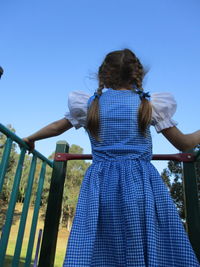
(49, 48)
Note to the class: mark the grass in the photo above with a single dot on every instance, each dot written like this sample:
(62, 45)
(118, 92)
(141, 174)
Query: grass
(61, 243)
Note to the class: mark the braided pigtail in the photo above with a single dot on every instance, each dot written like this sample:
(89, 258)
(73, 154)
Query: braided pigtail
(144, 115)
(93, 114)
(145, 109)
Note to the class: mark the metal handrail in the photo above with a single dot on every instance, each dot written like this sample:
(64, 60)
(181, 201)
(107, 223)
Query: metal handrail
(18, 140)
(181, 157)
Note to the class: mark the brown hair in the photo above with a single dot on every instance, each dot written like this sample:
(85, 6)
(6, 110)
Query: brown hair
(120, 69)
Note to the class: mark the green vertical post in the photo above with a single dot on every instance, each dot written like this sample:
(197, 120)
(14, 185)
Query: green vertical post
(10, 211)
(20, 234)
(192, 208)
(53, 213)
(35, 215)
(198, 155)
(5, 161)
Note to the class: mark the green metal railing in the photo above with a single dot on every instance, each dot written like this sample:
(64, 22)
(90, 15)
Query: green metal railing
(192, 204)
(53, 212)
(11, 137)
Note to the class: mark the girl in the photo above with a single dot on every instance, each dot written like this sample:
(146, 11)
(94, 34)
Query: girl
(125, 216)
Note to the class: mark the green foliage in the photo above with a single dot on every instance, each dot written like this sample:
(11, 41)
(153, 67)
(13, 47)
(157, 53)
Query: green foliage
(174, 176)
(45, 193)
(24, 178)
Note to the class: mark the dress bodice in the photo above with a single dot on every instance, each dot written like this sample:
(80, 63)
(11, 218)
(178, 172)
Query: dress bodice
(120, 137)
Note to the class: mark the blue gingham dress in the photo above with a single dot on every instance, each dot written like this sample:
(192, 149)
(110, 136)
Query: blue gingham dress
(125, 216)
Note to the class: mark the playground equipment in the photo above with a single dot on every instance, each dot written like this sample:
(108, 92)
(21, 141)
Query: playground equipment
(53, 212)
(9, 215)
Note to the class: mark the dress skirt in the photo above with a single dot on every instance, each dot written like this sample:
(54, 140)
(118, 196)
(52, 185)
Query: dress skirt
(125, 217)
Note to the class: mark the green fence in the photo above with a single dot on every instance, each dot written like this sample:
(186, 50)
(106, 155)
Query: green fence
(53, 212)
(11, 137)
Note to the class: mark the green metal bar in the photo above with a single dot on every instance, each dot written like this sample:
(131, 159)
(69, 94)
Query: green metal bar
(48, 248)
(5, 161)
(35, 215)
(20, 235)
(10, 211)
(198, 156)
(192, 209)
(17, 139)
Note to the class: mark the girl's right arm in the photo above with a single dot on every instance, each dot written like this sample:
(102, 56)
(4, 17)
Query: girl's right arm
(53, 129)
(182, 142)
(76, 117)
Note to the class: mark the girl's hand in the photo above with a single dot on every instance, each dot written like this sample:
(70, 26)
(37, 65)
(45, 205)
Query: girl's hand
(30, 143)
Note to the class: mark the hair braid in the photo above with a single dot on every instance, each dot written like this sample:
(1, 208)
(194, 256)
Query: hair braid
(93, 114)
(145, 109)
(100, 88)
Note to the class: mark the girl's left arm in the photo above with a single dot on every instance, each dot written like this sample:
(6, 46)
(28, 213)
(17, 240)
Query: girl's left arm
(53, 129)
(181, 141)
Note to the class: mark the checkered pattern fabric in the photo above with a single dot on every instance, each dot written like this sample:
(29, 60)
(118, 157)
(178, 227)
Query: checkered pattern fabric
(125, 216)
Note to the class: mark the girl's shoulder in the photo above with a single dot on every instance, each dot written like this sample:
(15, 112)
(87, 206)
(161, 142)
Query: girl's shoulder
(164, 98)
(163, 108)
(77, 99)
(77, 105)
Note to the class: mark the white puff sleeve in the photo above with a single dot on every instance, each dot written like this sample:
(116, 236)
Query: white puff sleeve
(163, 108)
(77, 104)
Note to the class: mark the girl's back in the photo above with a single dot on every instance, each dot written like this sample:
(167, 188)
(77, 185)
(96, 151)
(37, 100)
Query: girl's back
(120, 136)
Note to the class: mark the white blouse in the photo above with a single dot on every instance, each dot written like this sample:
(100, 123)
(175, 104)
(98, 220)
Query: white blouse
(163, 108)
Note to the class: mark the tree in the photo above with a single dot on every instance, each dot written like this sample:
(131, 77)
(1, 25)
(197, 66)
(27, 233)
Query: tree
(9, 177)
(24, 179)
(172, 176)
(74, 175)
